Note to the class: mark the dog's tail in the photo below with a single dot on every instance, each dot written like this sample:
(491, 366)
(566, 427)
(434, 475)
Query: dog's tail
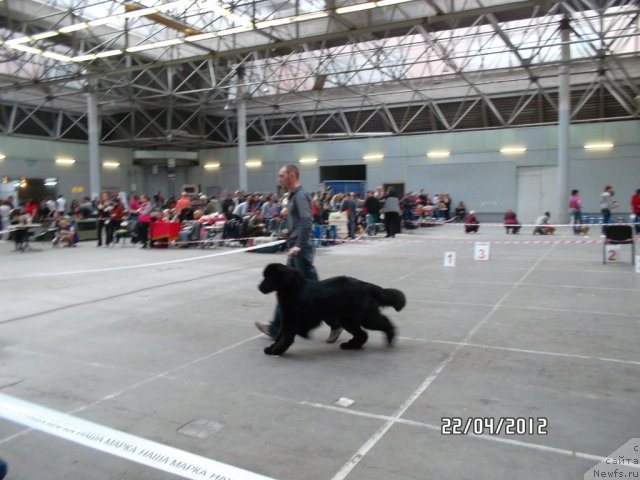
(388, 297)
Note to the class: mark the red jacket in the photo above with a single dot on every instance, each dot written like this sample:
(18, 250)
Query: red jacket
(635, 203)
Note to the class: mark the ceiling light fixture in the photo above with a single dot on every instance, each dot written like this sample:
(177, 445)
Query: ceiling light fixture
(253, 163)
(599, 146)
(438, 153)
(65, 161)
(212, 165)
(74, 28)
(373, 156)
(308, 160)
(355, 7)
(26, 48)
(513, 150)
(110, 164)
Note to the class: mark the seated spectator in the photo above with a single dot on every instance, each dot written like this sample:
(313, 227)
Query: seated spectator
(542, 225)
(511, 223)
(255, 226)
(278, 225)
(471, 223)
(67, 234)
(461, 211)
(191, 230)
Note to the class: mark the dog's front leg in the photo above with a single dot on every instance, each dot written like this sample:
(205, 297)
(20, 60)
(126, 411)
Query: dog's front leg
(281, 345)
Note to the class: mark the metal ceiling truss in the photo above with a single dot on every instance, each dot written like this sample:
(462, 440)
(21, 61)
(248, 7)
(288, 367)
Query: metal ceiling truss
(416, 67)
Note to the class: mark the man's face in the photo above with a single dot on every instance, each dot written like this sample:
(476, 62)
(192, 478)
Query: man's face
(284, 178)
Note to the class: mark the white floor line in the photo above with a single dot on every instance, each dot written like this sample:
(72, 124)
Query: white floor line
(522, 350)
(524, 307)
(143, 265)
(142, 382)
(118, 443)
(375, 438)
(437, 428)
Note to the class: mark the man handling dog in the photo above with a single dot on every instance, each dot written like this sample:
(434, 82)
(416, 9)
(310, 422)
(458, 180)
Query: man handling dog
(301, 250)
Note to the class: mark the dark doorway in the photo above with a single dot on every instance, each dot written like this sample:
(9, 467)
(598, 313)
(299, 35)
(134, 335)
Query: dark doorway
(36, 190)
(398, 187)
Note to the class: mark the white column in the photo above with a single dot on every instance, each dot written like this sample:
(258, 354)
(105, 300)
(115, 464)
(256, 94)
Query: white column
(242, 144)
(94, 152)
(564, 121)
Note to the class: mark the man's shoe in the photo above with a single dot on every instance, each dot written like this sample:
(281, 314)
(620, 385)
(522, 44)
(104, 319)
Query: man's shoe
(264, 328)
(334, 335)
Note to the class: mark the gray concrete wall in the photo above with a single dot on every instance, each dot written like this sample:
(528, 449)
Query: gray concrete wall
(475, 172)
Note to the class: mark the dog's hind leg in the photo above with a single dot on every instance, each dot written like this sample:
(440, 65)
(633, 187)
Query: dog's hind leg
(359, 336)
(380, 322)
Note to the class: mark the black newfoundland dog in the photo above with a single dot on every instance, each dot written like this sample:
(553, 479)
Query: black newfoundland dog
(305, 303)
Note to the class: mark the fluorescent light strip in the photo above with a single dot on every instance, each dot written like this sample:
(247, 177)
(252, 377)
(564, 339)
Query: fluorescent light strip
(57, 56)
(108, 53)
(386, 3)
(43, 35)
(598, 146)
(65, 161)
(201, 36)
(17, 41)
(274, 23)
(110, 164)
(253, 163)
(308, 160)
(438, 154)
(513, 150)
(2, 156)
(26, 48)
(309, 16)
(74, 28)
(373, 156)
(355, 8)
(212, 165)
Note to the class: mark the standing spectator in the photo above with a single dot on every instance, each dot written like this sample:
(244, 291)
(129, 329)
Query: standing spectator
(372, 206)
(635, 209)
(61, 206)
(391, 210)
(5, 213)
(52, 206)
(102, 208)
(471, 223)
(30, 208)
(606, 204)
(575, 211)
(116, 214)
(348, 205)
(301, 251)
(144, 218)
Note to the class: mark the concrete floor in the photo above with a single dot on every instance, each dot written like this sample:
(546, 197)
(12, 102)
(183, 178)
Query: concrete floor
(168, 352)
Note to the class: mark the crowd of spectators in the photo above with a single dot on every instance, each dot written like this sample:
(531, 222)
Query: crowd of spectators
(239, 215)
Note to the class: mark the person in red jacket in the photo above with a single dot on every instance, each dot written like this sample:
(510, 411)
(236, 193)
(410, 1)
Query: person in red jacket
(635, 209)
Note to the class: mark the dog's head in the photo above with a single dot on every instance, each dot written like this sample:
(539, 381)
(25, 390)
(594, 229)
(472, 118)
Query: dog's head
(277, 277)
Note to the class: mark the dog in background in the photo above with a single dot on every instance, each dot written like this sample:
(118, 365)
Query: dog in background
(305, 303)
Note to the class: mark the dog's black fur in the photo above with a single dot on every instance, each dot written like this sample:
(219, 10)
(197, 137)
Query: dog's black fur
(305, 303)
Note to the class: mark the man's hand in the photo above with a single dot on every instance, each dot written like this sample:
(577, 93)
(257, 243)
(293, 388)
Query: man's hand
(293, 251)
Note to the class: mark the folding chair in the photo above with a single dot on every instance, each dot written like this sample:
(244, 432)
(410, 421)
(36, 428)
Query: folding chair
(619, 235)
